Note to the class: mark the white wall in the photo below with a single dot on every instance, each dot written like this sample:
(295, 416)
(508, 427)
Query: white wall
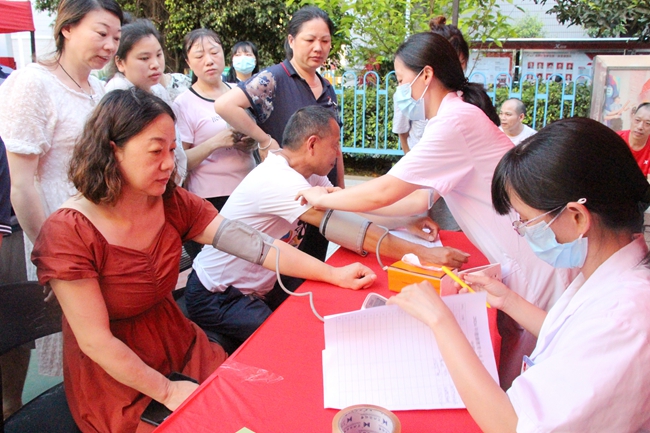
(552, 28)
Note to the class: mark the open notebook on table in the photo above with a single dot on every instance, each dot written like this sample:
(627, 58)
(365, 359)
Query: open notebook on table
(385, 357)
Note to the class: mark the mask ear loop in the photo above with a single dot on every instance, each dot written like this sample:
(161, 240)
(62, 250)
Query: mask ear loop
(421, 96)
(416, 77)
(423, 93)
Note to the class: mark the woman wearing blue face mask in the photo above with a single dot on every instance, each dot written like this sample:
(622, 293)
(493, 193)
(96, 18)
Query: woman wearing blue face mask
(580, 197)
(456, 157)
(244, 62)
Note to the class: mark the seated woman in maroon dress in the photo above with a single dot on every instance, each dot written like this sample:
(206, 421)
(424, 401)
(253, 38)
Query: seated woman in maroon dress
(111, 254)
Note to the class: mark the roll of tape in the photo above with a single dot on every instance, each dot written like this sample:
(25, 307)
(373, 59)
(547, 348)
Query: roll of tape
(365, 418)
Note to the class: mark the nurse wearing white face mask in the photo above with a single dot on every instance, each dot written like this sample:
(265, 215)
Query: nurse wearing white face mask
(410, 107)
(456, 157)
(581, 197)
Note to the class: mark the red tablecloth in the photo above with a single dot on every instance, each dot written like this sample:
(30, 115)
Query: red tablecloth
(274, 382)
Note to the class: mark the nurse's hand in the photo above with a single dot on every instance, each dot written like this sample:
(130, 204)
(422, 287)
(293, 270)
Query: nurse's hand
(354, 276)
(498, 294)
(422, 302)
(311, 195)
(424, 227)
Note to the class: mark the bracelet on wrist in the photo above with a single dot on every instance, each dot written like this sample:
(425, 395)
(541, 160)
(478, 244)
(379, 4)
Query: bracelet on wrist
(268, 145)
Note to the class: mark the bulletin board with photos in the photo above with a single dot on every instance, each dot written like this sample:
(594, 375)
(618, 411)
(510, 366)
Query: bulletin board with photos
(545, 65)
(620, 84)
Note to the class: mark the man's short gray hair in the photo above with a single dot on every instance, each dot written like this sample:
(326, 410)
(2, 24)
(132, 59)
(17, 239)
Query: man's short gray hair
(307, 121)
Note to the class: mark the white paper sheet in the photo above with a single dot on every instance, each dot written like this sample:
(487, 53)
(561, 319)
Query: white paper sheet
(385, 357)
(408, 236)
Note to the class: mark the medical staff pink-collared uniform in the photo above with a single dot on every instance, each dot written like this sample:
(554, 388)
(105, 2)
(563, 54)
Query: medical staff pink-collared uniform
(591, 369)
(457, 155)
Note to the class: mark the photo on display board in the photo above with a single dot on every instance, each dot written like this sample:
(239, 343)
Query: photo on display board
(625, 84)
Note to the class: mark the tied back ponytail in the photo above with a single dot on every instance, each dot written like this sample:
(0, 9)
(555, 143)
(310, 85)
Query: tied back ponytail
(473, 93)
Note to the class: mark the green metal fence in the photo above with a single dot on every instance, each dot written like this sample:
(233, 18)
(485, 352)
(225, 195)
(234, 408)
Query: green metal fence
(366, 104)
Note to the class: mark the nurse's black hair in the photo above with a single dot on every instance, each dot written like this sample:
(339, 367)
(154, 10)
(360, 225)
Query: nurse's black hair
(572, 159)
(300, 17)
(434, 50)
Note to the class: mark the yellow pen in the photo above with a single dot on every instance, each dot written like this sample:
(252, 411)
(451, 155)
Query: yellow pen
(459, 281)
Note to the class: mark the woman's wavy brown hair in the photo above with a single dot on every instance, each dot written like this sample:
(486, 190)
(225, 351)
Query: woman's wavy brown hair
(120, 116)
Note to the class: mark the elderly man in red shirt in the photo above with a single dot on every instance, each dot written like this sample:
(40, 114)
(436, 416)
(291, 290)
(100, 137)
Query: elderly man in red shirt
(638, 137)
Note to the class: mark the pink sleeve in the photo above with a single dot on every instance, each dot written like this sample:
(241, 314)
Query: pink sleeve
(439, 161)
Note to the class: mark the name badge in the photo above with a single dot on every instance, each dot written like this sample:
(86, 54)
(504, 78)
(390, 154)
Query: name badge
(526, 363)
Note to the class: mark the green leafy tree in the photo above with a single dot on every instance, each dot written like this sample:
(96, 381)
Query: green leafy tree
(370, 31)
(529, 26)
(262, 22)
(605, 18)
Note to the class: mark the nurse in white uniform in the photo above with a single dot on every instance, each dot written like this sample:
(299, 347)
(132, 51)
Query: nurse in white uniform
(456, 157)
(581, 198)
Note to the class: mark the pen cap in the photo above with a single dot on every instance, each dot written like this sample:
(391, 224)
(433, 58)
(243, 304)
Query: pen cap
(365, 418)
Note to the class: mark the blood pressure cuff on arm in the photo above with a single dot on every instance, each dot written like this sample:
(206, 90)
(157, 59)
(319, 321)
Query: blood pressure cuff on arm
(346, 229)
(243, 241)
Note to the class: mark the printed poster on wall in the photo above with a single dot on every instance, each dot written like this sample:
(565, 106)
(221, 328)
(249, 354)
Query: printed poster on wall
(546, 65)
(489, 67)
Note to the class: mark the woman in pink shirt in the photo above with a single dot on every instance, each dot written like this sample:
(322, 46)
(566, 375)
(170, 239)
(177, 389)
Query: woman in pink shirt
(216, 163)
